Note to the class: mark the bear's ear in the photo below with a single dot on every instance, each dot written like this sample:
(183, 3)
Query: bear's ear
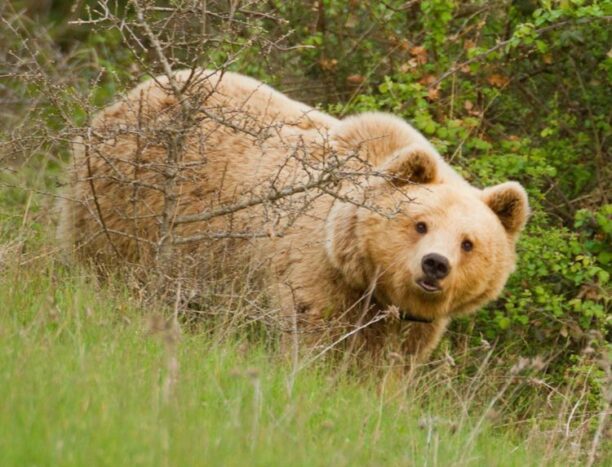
(412, 164)
(509, 202)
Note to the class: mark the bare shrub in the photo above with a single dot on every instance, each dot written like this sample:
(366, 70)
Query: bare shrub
(174, 239)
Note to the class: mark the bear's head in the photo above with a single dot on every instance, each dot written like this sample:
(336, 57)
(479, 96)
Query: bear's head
(431, 246)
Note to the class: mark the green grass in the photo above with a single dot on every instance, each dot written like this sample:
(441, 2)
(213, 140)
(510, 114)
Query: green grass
(82, 383)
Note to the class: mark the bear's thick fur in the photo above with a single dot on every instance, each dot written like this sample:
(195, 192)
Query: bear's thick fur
(390, 226)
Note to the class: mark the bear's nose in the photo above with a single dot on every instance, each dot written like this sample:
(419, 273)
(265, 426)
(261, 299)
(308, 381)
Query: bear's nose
(435, 266)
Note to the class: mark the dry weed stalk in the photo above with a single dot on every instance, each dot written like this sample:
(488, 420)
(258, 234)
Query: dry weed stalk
(604, 414)
(169, 332)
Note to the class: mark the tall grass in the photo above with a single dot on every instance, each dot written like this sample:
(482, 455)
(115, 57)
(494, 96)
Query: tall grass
(84, 380)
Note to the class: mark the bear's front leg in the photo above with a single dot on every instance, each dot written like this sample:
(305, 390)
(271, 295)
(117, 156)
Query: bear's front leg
(420, 339)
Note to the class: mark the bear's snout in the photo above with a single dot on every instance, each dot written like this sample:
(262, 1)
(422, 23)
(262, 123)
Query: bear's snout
(435, 266)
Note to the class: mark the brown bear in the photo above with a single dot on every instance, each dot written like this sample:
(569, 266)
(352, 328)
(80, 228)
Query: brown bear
(359, 225)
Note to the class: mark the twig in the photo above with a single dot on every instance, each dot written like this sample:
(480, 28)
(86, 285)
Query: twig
(374, 320)
(254, 201)
(95, 198)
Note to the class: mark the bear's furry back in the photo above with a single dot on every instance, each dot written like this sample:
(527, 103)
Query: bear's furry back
(243, 141)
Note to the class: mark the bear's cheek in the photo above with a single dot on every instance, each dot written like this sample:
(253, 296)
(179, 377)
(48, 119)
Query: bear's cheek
(474, 275)
(389, 246)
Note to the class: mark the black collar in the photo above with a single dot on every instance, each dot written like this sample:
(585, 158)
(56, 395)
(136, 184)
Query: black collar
(405, 316)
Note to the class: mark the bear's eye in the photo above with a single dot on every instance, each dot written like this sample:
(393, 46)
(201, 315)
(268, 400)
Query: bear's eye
(421, 227)
(467, 245)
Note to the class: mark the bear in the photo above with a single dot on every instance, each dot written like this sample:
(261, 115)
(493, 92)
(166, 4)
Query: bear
(359, 227)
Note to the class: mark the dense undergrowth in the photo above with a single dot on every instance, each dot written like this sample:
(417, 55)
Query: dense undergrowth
(505, 89)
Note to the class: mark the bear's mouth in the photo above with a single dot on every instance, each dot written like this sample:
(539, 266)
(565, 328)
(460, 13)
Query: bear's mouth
(429, 286)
